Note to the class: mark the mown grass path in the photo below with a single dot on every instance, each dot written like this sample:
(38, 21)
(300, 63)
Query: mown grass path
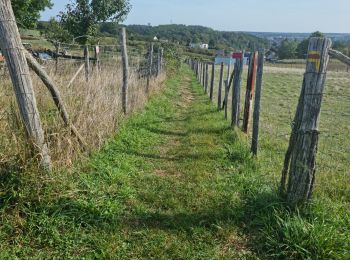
(171, 164)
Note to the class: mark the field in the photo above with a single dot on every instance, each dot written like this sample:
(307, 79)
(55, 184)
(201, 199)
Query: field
(177, 182)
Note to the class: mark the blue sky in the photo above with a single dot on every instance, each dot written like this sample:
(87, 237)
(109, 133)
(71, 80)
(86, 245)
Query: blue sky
(239, 15)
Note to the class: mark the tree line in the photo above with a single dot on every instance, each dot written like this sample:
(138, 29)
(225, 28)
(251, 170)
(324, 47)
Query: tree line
(292, 49)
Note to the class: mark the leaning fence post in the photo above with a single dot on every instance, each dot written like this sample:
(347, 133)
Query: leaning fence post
(236, 90)
(125, 70)
(203, 74)
(220, 85)
(150, 65)
(87, 63)
(300, 160)
(212, 82)
(256, 115)
(250, 90)
(13, 50)
(227, 91)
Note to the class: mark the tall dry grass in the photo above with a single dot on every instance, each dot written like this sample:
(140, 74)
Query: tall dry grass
(94, 107)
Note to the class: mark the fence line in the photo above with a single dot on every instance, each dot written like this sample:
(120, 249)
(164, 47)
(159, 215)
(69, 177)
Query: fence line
(26, 98)
(304, 137)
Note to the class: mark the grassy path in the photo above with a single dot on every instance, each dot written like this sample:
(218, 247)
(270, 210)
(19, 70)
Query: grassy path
(175, 183)
(172, 163)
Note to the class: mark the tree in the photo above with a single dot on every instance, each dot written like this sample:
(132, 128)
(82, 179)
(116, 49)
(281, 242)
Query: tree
(27, 12)
(303, 46)
(287, 50)
(56, 32)
(82, 17)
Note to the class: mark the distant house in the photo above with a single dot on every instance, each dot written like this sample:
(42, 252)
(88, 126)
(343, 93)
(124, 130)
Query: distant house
(155, 38)
(199, 46)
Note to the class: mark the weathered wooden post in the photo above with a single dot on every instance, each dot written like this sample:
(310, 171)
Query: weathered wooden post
(228, 71)
(212, 82)
(203, 74)
(150, 66)
(87, 63)
(13, 50)
(236, 89)
(220, 85)
(158, 62)
(227, 91)
(197, 70)
(97, 57)
(161, 59)
(256, 114)
(55, 94)
(125, 61)
(300, 160)
(206, 78)
(250, 90)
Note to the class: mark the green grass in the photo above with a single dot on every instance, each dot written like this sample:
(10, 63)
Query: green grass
(175, 183)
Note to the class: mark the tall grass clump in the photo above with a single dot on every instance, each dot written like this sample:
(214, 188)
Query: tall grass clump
(94, 108)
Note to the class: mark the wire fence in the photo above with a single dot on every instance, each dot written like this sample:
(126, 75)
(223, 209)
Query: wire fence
(280, 94)
(94, 106)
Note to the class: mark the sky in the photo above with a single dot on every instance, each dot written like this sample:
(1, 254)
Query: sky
(330, 16)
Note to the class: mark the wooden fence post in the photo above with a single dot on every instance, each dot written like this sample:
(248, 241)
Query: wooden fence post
(212, 82)
(220, 85)
(97, 57)
(206, 78)
(150, 65)
(158, 62)
(236, 91)
(250, 90)
(55, 94)
(256, 115)
(125, 61)
(227, 91)
(197, 70)
(87, 63)
(203, 74)
(228, 71)
(300, 160)
(161, 59)
(13, 50)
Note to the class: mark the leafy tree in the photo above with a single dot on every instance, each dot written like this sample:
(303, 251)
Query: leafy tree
(55, 32)
(27, 12)
(287, 50)
(304, 45)
(83, 17)
(342, 47)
